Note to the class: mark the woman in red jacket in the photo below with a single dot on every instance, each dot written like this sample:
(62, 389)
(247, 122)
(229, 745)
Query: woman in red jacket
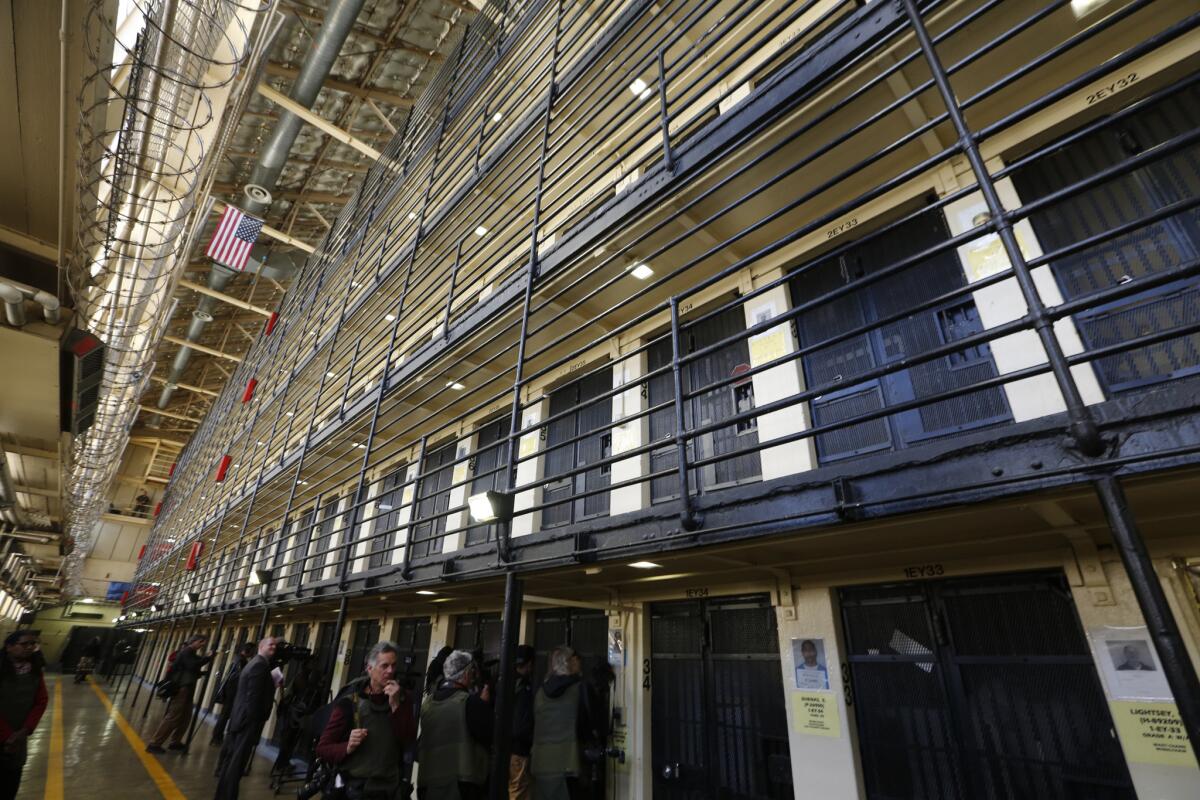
(23, 699)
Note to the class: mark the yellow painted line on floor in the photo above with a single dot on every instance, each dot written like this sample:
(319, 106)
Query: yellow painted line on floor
(54, 766)
(161, 779)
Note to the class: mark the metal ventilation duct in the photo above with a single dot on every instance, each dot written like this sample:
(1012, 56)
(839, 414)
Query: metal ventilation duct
(339, 21)
(161, 79)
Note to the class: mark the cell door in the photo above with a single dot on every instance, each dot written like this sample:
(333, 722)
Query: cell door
(859, 331)
(576, 439)
(433, 500)
(490, 470)
(1143, 250)
(365, 636)
(718, 724)
(479, 632)
(980, 688)
(387, 517)
(584, 630)
(705, 408)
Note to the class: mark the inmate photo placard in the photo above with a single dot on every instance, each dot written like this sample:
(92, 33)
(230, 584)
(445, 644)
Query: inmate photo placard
(808, 656)
(1129, 664)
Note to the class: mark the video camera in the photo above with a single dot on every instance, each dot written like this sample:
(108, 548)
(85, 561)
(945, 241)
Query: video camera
(286, 651)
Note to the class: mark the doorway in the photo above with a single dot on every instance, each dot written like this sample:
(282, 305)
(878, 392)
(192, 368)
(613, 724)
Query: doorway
(979, 687)
(718, 724)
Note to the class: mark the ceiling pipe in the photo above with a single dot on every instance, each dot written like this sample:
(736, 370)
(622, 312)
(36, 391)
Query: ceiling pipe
(15, 294)
(339, 21)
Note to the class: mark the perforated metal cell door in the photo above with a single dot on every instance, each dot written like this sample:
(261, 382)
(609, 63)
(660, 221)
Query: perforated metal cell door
(979, 688)
(300, 549)
(718, 724)
(1164, 245)
(678, 708)
(433, 492)
(387, 517)
(330, 521)
(722, 402)
(478, 632)
(852, 351)
(581, 436)
(585, 630)
(366, 634)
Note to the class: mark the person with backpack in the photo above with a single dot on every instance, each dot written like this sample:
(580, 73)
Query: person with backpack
(227, 692)
(178, 687)
(456, 734)
(23, 699)
(368, 730)
(565, 731)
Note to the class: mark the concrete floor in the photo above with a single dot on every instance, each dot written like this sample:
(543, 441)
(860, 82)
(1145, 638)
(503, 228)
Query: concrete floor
(99, 762)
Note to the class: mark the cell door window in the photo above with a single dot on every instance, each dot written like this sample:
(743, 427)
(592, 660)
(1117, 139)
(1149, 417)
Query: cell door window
(433, 500)
(981, 688)
(718, 724)
(299, 553)
(489, 468)
(579, 438)
(478, 632)
(387, 517)
(869, 327)
(411, 637)
(584, 630)
(1145, 250)
(705, 408)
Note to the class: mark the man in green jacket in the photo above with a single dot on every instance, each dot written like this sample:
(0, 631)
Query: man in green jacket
(456, 734)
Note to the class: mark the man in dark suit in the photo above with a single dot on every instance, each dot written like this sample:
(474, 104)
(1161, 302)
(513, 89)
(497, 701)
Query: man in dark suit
(251, 708)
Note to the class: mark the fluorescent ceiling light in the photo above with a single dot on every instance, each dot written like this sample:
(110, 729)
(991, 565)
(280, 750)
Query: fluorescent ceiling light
(641, 271)
(1082, 8)
(455, 385)
(390, 317)
(329, 375)
(87, 600)
(645, 565)
(480, 230)
(638, 86)
(412, 215)
(425, 591)
(497, 117)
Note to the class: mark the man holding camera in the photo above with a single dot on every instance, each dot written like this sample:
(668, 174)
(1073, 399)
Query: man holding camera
(456, 734)
(565, 739)
(369, 729)
(184, 672)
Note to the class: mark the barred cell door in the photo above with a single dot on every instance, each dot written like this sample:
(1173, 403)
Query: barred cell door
(718, 725)
(980, 688)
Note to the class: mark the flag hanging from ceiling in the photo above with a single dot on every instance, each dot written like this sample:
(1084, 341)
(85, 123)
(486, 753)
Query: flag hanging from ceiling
(236, 234)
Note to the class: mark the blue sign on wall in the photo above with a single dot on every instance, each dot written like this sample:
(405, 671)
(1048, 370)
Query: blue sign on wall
(117, 589)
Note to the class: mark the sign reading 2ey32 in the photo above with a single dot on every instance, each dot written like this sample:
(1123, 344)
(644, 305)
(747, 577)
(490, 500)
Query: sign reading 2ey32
(1110, 89)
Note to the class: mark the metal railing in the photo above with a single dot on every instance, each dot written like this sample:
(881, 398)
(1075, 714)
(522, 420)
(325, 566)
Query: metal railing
(770, 145)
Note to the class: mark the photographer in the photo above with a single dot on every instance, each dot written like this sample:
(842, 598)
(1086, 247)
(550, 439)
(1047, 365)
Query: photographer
(368, 731)
(456, 733)
(300, 699)
(565, 738)
(185, 670)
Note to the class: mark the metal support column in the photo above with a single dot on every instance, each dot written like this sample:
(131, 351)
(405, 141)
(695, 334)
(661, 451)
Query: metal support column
(504, 534)
(1082, 426)
(502, 732)
(262, 623)
(1177, 667)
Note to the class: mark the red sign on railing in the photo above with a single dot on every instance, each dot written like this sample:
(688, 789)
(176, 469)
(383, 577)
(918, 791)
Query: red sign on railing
(194, 556)
(223, 467)
(271, 323)
(248, 395)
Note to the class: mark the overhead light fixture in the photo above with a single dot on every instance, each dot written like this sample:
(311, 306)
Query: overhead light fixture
(425, 592)
(645, 565)
(639, 87)
(412, 215)
(329, 374)
(87, 600)
(490, 505)
(497, 117)
(290, 413)
(155, 608)
(1081, 8)
(390, 317)
(117, 619)
(480, 230)
(455, 385)
(641, 271)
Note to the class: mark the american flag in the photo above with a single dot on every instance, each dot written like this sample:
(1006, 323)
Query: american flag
(236, 234)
